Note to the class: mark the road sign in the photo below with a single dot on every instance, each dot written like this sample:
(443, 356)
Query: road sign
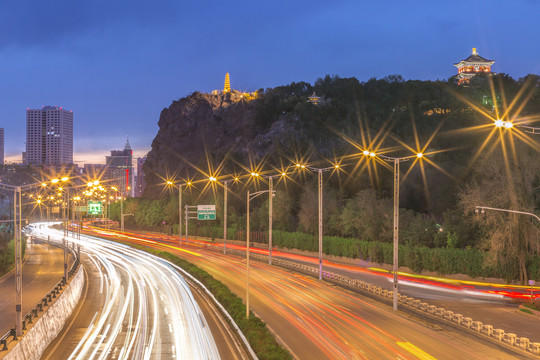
(81, 208)
(55, 209)
(94, 207)
(206, 212)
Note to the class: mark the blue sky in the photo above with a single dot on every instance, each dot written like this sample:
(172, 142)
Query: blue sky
(118, 64)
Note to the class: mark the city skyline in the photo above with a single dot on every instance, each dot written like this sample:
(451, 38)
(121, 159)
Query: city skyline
(117, 67)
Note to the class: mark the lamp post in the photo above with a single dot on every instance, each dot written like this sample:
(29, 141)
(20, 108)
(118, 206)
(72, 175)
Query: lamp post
(17, 234)
(396, 161)
(270, 204)
(225, 195)
(483, 208)
(18, 264)
(179, 208)
(320, 203)
(251, 196)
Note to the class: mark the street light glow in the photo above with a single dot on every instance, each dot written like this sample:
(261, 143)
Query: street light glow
(419, 155)
(96, 182)
(508, 125)
(254, 174)
(169, 182)
(212, 178)
(372, 154)
(54, 181)
(499, 123)
(65, 178)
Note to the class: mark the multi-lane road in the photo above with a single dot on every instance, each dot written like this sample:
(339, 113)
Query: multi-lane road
(143, 308)
(42, 269)
(316, 320)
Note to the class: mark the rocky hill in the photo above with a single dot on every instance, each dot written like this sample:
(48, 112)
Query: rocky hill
(195, 127)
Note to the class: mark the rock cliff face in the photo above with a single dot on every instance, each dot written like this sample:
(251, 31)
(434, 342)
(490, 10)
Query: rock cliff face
(194, 126)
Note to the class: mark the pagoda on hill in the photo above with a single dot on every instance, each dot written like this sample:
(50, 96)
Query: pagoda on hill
(227, 85)
(474, 64)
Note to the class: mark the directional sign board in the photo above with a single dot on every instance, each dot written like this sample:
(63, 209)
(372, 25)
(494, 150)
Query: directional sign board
(94, 207)
(206, 212)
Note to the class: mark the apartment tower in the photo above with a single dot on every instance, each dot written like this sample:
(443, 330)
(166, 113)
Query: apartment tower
(49, 136)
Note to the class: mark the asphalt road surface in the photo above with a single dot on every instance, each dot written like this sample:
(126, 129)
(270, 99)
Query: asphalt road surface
(316, 320)
(143, 310)
(43, 268)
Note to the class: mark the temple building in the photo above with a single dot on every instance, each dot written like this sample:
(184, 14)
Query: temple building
(474, 64)
(314, 99)
(234, 95)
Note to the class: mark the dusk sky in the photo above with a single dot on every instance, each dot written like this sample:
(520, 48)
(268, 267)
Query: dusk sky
(118, 64)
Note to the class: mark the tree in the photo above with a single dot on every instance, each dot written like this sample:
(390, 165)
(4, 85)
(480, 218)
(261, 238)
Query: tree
(367, 217)
(309, 208)
(506, 179)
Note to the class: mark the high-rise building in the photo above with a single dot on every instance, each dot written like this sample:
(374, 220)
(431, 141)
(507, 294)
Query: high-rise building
(49, 136)
(1, 146)
(119, 167)
(140, 181)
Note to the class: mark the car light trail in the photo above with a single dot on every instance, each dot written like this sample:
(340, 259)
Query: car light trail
(149, 311)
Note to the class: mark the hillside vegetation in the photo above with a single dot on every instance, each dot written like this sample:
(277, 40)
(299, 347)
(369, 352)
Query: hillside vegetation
(470, 163)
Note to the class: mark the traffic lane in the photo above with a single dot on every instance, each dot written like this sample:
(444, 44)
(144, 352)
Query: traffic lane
(424, 287)
(338, 322)
(90, 304)
(227, 340)
(500, 315)
(302, 311)
(41, 271)
(149, 310)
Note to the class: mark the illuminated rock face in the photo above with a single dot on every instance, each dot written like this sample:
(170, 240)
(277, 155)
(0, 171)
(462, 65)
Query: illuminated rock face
(474, 64)
(197, 125)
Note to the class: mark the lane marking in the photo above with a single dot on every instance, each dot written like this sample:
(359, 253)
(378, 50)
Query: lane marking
(416, 351)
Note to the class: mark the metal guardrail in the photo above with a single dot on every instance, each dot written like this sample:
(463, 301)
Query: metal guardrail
(411, 303)
(49, 298)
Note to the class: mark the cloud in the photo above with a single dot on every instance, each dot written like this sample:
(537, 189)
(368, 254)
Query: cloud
(43, 23)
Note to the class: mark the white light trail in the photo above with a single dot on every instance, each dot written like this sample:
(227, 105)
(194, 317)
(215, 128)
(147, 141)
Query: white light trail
(149, 311)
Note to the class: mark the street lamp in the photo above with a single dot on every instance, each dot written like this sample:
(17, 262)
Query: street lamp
(180, 205)
(17, 232)
(249, 198)
(483, 208)
(396, 161)
(499, 123)
(320, 202)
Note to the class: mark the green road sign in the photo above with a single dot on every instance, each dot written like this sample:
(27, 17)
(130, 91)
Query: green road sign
(94, 208)
(206, 212)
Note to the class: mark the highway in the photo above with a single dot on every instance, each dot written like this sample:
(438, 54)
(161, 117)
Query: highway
(43, 268)
(317, 320)
(144, 309)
